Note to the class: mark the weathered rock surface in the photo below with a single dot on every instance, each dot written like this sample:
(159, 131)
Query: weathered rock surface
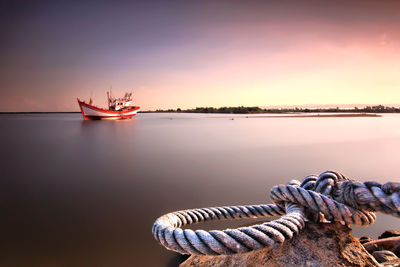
(392, 263)
(384, 255)
(316, 245)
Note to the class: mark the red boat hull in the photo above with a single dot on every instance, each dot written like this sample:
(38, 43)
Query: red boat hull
(90, 112)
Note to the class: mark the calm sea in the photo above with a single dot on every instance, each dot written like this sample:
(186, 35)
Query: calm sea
(86, 193)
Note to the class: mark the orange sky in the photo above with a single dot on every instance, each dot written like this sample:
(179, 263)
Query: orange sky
(212, 54)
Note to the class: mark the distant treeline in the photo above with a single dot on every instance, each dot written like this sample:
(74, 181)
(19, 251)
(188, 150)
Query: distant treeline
(255, 110)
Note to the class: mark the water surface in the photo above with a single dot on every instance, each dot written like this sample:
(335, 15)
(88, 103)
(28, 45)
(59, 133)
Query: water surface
(85, 193)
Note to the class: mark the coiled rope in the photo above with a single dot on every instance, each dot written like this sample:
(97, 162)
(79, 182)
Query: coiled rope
(327, 197)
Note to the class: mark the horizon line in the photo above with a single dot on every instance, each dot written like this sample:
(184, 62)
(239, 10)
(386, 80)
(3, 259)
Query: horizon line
(275, 107)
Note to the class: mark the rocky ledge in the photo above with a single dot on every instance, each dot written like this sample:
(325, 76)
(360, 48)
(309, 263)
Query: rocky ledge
(316, 245)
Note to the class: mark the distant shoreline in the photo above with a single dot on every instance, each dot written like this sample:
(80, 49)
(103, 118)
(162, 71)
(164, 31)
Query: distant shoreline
(283, 115)
(296, 110)
(322, 115)
(255, 110)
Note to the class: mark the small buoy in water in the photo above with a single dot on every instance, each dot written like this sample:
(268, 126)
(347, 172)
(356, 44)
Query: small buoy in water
(232, 119)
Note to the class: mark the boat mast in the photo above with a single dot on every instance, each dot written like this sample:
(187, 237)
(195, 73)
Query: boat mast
(91, 99)
(109, 98)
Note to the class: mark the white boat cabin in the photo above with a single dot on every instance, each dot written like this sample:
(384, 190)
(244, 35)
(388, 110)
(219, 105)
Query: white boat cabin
(119, 103)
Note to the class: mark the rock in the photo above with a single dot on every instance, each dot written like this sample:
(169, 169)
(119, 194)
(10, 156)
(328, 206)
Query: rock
(396, 251)
(392, 263)
(391, 243)
(389, 233)
(365, 239)
(316, 245)
(384, 255)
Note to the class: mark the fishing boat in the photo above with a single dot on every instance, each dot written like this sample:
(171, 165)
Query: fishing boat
(118, 108)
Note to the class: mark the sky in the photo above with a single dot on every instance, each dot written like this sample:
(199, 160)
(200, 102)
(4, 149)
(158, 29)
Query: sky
(187, 54)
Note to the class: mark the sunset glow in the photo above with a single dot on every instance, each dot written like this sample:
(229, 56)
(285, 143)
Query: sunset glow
(190, 54)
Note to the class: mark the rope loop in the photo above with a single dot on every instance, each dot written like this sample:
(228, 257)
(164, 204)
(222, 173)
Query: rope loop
(328, 197)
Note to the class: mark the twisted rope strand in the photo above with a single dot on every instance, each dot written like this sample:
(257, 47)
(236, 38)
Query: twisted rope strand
(167, 229)
(329, 196)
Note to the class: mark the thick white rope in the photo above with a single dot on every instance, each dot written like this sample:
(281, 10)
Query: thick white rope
(327, 197)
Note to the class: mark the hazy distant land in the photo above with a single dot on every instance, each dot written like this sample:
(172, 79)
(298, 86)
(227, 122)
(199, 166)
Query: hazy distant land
(260, 110)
